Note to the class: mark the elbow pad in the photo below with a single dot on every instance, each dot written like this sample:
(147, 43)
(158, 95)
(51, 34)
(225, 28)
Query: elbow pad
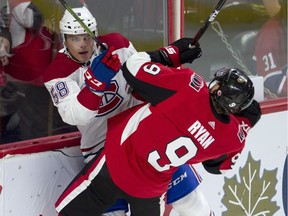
(213, 165)
(159, 57)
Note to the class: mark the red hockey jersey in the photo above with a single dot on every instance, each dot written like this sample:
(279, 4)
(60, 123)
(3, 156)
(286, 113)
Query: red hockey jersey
(271, 56)
(147, 143)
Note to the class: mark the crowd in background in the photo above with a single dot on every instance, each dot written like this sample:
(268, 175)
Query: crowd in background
(27, 45)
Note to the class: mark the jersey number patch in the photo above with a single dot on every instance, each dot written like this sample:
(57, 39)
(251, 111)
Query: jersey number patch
(152, 69)
(269, 62)
(59, 90)
(178, 152)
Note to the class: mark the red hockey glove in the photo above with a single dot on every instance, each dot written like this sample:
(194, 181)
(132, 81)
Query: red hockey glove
(181, 52)
(103, 68)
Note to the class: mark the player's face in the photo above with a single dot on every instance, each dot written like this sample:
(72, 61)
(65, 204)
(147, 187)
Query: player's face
(80, 46)
(4, 50)
(272, 7)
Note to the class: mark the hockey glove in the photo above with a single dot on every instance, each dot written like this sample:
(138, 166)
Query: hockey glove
(103, 68)
(181, 52)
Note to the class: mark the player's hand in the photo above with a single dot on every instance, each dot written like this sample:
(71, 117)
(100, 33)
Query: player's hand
(181, 52)
(103, 68)
(188, 52)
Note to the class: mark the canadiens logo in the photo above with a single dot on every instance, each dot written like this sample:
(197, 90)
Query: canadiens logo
(196, 82)
(111, 99)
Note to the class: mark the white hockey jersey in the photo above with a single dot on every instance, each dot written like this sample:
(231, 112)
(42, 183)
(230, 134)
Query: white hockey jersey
(77, 105)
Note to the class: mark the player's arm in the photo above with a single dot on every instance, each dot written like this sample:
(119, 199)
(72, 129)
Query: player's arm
(147, 72)
(144, 76)
(251, 115)
(123, 47)
(78, 105)
(177, 53)
(28, 16)
(213, 166)
(221, 164)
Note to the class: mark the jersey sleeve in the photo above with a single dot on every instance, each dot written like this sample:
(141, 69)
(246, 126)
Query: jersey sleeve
(251, 115)
(72, 102)
(246, 119)
(222, 164)
(213, 166)
(76, 104)
(151, 80)
(123, 47)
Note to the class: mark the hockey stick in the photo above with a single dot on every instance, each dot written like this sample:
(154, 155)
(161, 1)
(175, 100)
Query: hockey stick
(85, 27)
(208, 21)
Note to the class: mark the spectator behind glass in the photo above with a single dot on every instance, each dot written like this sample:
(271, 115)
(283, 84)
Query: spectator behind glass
(33, 115)
(5, 87)
(271, 49)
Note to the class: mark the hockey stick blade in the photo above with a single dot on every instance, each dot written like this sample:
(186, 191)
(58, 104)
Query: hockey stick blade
(84, 26)
(208, 21)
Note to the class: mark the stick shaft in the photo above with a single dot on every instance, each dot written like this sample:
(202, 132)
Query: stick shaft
(208, 21)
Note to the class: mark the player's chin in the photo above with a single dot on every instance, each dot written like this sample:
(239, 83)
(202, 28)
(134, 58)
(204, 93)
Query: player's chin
(83, 58)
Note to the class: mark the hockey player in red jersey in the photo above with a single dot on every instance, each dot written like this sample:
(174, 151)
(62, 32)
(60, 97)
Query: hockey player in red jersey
(271, 49)
(182, 122)
(82, 100)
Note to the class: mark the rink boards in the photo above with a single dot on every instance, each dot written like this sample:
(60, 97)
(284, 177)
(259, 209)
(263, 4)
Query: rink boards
(35, 172)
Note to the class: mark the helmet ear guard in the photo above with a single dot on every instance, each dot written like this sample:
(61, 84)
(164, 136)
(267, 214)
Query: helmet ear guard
(236, 90)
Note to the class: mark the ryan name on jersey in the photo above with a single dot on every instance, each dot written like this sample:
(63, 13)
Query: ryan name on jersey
(201, 134)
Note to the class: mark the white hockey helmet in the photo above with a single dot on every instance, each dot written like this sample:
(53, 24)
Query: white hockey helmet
(69, 25)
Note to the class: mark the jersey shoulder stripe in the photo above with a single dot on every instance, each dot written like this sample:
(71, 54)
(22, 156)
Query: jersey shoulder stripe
(61, 67)
(115, 39)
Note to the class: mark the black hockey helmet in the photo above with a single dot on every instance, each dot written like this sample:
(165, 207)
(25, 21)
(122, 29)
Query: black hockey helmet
(235, 92)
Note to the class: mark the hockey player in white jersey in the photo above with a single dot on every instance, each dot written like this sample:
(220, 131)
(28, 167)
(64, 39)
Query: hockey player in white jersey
(87, 87)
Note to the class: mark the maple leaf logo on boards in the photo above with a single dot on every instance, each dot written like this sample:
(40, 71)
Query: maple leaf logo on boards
(253, 194)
